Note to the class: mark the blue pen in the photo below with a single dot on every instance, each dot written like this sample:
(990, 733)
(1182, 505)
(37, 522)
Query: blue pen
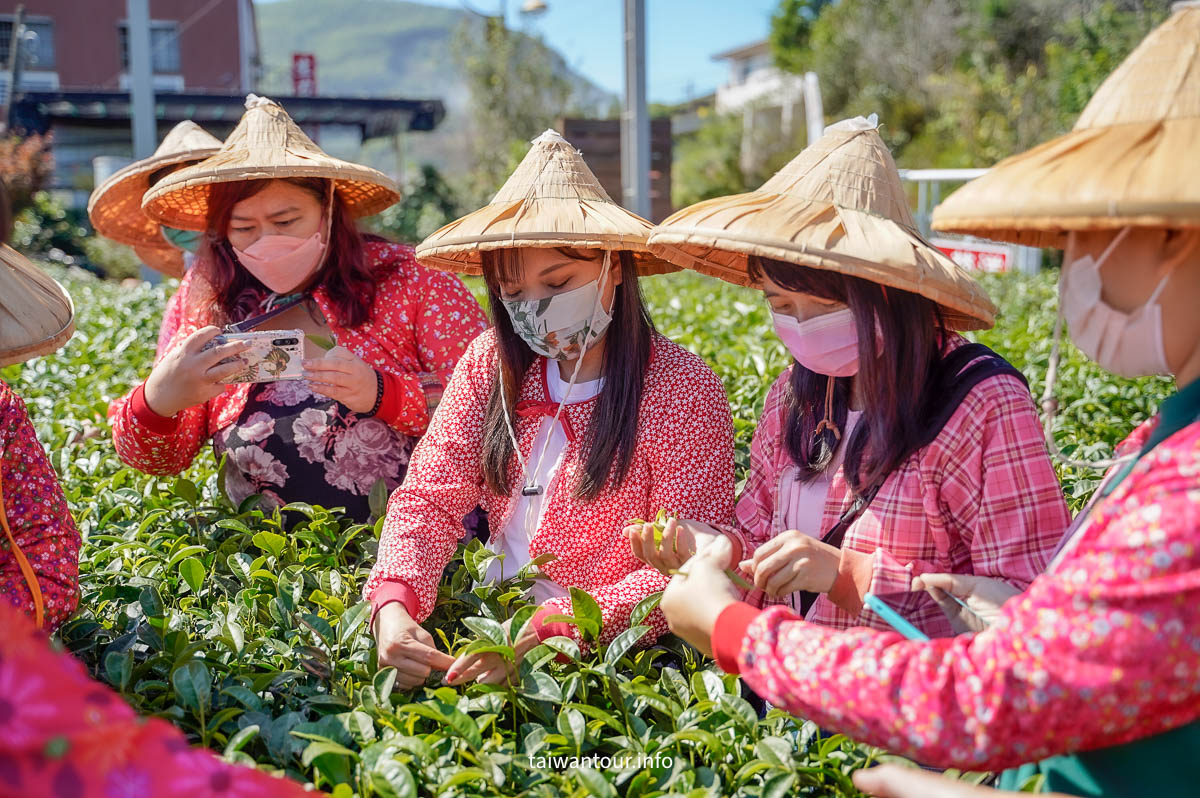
(893, 618)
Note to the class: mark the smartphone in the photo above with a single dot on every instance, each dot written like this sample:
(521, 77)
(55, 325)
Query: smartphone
(894, 619)
(273, 355)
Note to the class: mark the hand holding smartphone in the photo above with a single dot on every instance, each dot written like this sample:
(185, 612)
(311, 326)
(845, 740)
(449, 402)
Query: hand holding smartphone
(270, 356)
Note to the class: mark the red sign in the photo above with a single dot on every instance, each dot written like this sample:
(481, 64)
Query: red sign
(977, 256)
(304, 74)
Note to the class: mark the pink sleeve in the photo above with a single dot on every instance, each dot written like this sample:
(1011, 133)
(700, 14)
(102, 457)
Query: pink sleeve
(39, 518)
(1099, 652)
(445, 319)
(691, 460)
(424, 515)
(73, 736)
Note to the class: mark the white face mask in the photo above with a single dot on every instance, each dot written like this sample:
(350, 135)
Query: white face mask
(563, 326)
(1127, 344)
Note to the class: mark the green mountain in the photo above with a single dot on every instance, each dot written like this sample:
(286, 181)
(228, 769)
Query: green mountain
(387, 48)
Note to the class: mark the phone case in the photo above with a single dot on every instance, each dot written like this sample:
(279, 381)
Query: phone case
(274, 355)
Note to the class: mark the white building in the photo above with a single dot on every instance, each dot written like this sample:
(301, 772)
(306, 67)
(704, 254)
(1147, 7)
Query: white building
(769, 99)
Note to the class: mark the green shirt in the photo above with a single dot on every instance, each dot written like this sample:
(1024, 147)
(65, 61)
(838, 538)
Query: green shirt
(1164, 765)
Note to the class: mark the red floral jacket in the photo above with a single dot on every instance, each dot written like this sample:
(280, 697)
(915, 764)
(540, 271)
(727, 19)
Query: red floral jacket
(420, 323)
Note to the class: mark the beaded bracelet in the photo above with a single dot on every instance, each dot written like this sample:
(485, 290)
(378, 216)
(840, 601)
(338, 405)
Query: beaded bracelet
(378, 394)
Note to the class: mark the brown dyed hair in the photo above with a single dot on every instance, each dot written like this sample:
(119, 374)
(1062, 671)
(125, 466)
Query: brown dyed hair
(893, 380)
(611, 436)
(345, 275)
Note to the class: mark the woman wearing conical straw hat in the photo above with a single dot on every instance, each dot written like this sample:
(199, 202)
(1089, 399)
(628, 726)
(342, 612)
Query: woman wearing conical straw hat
(281, 252)
(891, 446)
(39, 542)
(1095, 663)
(115, 209)
(566, 419)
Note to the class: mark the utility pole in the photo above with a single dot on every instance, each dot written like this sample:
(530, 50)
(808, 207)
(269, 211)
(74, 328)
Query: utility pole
(141, 83)
(635, 121)
(15, 60)
(141, 91)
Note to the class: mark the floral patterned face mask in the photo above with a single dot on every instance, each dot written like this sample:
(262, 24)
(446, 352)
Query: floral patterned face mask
(563, 326)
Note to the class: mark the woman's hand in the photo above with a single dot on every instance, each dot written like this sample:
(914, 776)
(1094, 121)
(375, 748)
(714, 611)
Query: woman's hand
(983, 596)
(344, 377)
(491, 668)
(188, 376)
(407, 647)
(697, 595)
(894, 781)
(681, 538)
(793, 561)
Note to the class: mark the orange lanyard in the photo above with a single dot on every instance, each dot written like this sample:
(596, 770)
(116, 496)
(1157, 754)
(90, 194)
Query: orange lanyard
(26, 569)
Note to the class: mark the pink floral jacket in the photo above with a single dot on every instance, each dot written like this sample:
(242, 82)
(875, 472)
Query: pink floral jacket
(420, 323)
(1102, 649)
(683, 462)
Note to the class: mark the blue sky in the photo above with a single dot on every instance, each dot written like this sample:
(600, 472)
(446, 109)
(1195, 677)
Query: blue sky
(681, 36)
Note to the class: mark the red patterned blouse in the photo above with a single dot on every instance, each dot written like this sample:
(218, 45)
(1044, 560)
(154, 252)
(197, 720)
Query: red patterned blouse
(420, 323)
(39, 519)
(683, 462)
(66, 735)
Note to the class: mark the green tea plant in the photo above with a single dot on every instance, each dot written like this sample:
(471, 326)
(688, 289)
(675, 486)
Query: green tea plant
(246, 629)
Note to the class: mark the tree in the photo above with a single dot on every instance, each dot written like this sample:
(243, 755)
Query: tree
(427, 205)
(518, 89)
(790, 27)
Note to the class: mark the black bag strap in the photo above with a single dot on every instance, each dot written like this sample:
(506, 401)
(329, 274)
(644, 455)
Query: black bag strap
(954, 376)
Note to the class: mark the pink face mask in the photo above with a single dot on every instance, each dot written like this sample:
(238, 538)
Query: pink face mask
(826, 344)
(282, 263)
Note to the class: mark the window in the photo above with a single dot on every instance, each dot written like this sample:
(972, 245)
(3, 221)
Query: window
(164, 46)
(39, 41)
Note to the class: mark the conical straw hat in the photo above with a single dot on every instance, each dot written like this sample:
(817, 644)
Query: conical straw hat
(166, 259)
(115, 207)
(36, 314)
(551, 200)
(1131, 159)
(839, 205)
(265, 145)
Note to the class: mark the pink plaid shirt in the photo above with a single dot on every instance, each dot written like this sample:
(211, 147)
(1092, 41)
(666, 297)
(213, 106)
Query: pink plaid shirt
(981, 499)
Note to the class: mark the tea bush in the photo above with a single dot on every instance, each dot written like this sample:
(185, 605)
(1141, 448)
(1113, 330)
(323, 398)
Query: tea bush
(245, 628)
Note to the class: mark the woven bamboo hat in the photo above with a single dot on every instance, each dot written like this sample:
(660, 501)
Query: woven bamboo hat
(1130, 160)
(166, 259)
(115, 207)
(839, 205)
(552, 199)
(36, 314)
(265, 145)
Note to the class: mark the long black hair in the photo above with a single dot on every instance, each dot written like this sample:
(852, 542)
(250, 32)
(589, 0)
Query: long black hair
(612, 433)
(893, 378)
